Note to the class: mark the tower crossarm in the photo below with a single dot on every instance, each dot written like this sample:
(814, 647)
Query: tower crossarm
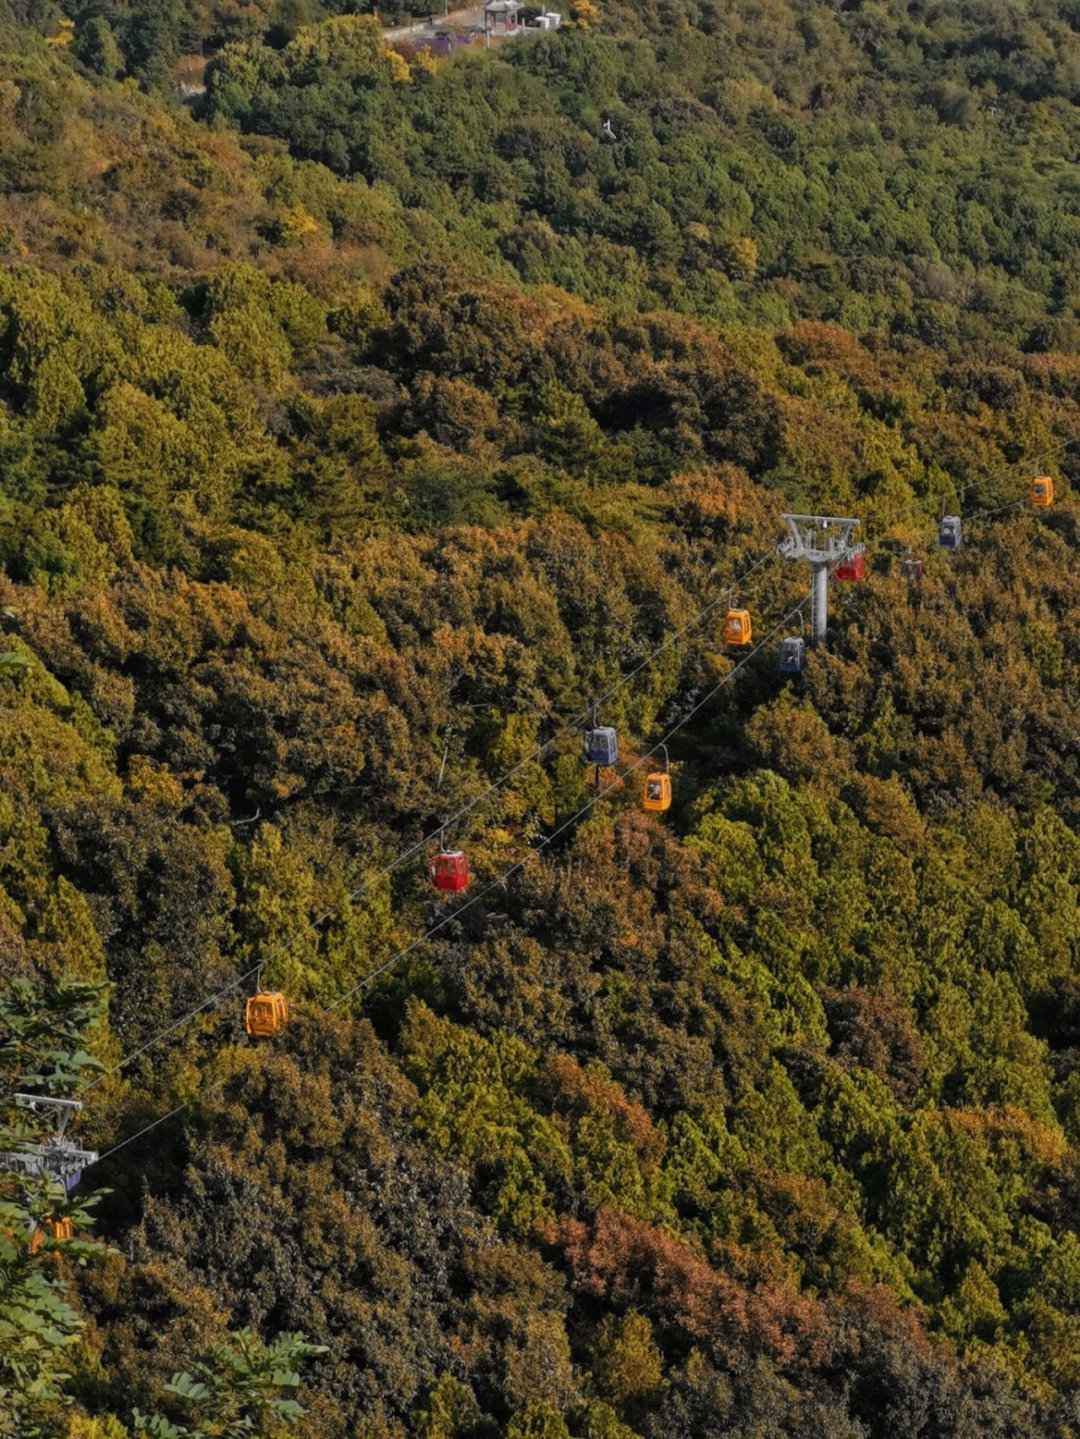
(818, 539)
(63, 1109)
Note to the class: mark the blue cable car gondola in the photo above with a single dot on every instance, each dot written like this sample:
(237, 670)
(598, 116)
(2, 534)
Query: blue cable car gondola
(600, 746)
(950, 533)
(792, 655)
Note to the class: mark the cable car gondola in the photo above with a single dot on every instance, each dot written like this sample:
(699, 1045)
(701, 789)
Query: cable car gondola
(449, 871)
(792, 655)
(950, 533)
(1042, 492)
(266, 1014)
(738, 631)
(851, 569)
(600, 746)
(657, 796)
(57, 1228)
(912, 569)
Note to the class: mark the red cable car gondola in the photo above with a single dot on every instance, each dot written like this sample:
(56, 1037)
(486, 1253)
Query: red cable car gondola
(851, 569)
(449, 870)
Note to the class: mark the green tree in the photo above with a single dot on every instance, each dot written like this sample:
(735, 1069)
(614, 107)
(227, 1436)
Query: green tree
(97, 47)
(244, 1387)
(42, 1032)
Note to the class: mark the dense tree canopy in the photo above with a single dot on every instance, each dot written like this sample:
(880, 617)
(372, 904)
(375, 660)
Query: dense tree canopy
(355, 435)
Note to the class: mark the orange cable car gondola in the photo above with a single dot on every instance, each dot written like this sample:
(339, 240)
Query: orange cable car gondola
(55, 1227)
(266, 1014)
(449, 871)
(738, 631)
(657, 797)
(1042, 492)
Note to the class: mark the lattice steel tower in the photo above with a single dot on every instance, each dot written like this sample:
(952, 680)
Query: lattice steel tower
(824, 541)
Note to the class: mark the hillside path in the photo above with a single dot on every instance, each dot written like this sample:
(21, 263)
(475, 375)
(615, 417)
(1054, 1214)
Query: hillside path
(424, 29)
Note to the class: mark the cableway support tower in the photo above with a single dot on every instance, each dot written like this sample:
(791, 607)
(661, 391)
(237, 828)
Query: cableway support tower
(823, 541)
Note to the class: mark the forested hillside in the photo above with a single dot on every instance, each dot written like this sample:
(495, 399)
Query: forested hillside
(358, 432)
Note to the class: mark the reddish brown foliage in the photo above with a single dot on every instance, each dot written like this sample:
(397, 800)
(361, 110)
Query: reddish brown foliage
(628, 1262)
(818, 346)
(574, 1090)
(875, 1306)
